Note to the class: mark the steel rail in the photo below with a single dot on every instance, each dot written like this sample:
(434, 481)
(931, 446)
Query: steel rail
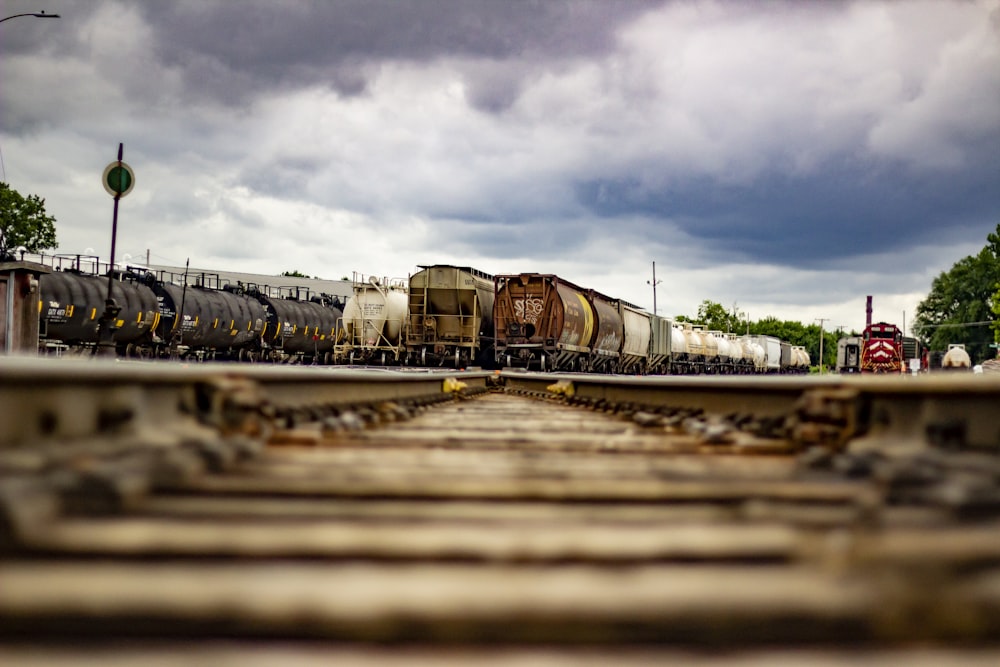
(900, 413)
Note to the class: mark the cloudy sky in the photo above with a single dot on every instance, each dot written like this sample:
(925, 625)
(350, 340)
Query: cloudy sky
(782, 158)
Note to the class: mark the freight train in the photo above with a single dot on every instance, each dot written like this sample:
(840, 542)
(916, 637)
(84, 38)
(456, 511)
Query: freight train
(442, 316)
(163, 316)
(544, 322)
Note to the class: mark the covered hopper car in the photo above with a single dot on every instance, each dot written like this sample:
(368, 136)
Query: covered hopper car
(547, 323)
(450, 317)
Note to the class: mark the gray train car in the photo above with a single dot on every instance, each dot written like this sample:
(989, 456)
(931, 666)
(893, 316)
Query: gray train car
(450, 317)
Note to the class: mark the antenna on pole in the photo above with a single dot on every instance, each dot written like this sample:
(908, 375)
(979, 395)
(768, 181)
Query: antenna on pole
(654, 282)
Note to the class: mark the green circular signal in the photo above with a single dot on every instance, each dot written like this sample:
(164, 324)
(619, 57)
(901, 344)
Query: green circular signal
(118, 179)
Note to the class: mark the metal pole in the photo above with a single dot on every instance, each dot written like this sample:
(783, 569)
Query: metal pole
(105, 326)
(821, 320)
(114, 230)
(654, 283)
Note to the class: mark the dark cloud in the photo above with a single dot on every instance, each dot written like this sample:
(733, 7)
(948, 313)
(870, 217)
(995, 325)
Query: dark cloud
(846, 209)
(230, 50)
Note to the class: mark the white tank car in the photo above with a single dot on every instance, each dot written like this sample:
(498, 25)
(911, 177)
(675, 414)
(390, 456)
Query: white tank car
(725, 351)
(758, 354)
(711, 345)
(679, 352)
(695, 347)
(956, 358)
(735, 349)
(800, 359)
(374, 316)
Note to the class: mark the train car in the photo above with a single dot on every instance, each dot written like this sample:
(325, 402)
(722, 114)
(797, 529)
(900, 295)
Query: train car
(849, 355)
(801, 360)
(693, 360)
(450, 317)
(740, 354)
(661, 342)
(769, 358)
(546, 323)
(71, 304)
(956, 358)
(373, 323)
(786, 362)
(882, 349)
(300, 326)
(205, 322)
(638, 332)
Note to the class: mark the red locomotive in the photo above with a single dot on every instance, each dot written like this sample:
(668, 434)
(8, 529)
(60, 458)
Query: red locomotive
(882, 349)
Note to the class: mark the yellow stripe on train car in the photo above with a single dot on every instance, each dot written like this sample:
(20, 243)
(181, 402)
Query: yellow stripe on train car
(93, 313)
(588, 318)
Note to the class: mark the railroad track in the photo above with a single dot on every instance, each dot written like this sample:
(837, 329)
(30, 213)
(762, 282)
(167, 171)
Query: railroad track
(153, 514)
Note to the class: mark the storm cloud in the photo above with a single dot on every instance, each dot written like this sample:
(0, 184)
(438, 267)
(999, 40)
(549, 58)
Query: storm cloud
(784, 159)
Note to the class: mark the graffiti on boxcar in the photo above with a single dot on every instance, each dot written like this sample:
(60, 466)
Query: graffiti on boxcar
(528, 309)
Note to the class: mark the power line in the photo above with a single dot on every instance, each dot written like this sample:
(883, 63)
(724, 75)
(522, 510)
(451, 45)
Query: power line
(960, 324)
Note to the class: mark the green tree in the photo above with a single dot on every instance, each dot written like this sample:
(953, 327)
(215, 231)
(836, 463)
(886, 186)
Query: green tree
(294, 274)
(958, 307)
(716, 318)
(23, 222)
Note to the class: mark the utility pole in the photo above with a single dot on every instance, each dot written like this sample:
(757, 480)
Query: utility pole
(821, 320)
(654, 282)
